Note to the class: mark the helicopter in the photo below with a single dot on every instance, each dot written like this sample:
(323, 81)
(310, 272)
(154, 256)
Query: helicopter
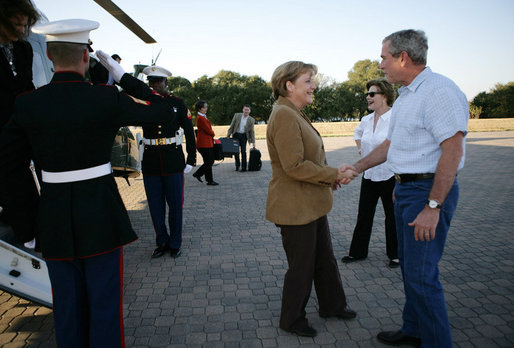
(22, 270)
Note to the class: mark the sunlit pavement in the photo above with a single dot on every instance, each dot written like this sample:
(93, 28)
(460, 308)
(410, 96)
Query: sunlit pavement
(225, 288)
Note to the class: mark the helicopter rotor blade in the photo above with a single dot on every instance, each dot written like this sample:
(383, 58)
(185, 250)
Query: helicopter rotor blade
(121, 16)
(155, 61)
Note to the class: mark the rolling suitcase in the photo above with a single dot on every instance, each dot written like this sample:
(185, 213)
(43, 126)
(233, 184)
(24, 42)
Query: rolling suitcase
(230, 146)
(255, 162)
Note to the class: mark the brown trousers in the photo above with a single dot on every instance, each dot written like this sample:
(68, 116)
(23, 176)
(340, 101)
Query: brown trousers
(311, 258)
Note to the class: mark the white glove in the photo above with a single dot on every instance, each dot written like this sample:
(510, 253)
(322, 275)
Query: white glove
(188, 168)
(111, 65)
(31, 244)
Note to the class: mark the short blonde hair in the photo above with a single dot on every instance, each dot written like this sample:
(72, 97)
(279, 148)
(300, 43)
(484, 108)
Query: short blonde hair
(289, 71)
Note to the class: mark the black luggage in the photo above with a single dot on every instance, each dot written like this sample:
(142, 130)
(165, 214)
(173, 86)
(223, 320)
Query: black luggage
(230, 146)
(255, 162)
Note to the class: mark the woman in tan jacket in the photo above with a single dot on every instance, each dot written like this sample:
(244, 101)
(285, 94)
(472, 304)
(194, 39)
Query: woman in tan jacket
(299, 197)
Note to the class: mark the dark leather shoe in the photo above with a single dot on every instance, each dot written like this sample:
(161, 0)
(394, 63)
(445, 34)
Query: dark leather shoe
(212, 183)
(158, 252)
(305, 331)
(175, 252)
(396, 338)
(347, 313)
(244, 170)
(394, 263)
(237, 169)
(199, 178)
(350, 259)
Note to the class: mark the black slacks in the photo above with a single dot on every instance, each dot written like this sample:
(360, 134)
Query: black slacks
(370, 192)
(208, 160)
(242, 145)
(311, 258)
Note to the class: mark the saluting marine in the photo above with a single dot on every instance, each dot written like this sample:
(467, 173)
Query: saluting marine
(164, 165)
(68, 127)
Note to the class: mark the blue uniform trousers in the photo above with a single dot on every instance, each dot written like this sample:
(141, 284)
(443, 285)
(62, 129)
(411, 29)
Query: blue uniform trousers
(424, 313)
(87, 300)
(159, 191)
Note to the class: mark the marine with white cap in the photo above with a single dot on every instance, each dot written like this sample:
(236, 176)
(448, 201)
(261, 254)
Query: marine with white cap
(68, 127)
(164, 165)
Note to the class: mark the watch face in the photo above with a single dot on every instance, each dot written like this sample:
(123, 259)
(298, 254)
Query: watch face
(433, 204)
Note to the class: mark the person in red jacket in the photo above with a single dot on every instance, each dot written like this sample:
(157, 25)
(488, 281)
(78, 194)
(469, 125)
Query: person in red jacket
(204, 143)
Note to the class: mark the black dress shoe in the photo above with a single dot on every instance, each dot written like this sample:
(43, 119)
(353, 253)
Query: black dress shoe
(175, 252)
(350, 259)
(198, 177)
(394, 263)
(244, 170)
(237, 169)
(212, 183)
(158, 252)
(396, 338)
(305, 331)
(347, 313)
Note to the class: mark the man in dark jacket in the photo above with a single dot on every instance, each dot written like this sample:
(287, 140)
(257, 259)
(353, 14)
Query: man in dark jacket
(68, 127)
(164, 165)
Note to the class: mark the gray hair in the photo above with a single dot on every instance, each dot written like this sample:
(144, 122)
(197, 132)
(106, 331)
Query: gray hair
(414, 42)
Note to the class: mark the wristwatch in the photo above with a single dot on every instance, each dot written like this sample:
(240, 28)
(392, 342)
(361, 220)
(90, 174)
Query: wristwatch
(432, 203)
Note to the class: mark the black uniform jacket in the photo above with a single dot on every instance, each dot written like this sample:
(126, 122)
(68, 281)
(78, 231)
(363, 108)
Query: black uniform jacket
(67, 125)
(169, 159)
(10, 85)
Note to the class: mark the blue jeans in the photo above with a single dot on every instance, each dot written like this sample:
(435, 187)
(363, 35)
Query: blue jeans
(159, 191)
(424, 314)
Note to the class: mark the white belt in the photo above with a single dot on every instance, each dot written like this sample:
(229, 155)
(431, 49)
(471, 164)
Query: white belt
(159, 141)
(77, 175)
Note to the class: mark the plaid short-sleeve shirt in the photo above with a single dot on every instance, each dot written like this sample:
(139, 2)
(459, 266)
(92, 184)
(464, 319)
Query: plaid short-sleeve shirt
(428, 111)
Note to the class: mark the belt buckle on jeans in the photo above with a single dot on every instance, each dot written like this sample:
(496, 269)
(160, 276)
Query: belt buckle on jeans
(398, 178)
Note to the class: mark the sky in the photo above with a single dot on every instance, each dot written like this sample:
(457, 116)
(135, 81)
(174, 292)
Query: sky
(471, 42)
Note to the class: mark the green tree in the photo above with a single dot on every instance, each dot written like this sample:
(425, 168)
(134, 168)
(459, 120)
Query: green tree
(474, 111)
(498, 103)
(364, 71)
(182, 88)
(227, 92)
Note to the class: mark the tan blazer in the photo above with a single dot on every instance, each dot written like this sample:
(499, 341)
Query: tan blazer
(300, 190)
(234, 127)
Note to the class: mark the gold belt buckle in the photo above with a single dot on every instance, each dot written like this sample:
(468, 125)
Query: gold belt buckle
(161, 141)
(398, 178)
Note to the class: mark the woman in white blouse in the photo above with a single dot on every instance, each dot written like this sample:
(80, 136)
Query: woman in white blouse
(377, 181)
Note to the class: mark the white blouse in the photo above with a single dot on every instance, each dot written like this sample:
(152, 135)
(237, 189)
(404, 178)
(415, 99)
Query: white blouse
(370, 140)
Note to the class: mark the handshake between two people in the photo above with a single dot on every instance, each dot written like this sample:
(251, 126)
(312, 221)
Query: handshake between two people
(346, 174)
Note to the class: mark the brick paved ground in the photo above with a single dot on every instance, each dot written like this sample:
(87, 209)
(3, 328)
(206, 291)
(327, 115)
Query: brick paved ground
(225, 289)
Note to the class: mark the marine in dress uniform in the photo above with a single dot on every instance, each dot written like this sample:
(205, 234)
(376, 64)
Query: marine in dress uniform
(164, 163)
(68, 127)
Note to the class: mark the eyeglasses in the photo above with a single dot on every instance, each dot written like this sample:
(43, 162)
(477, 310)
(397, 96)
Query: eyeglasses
(372, 94)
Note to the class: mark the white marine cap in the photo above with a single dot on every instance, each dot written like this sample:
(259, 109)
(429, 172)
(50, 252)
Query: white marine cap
(67, 30)
(156, 72)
